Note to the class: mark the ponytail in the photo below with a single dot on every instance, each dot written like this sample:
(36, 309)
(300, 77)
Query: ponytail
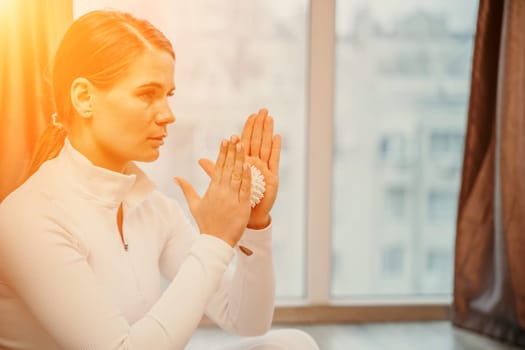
(48, 146)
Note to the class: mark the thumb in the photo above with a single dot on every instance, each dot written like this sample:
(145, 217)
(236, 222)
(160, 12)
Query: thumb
(192, 197)
(207, 165)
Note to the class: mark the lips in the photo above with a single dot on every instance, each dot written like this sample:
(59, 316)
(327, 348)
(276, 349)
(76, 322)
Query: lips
(158, 139)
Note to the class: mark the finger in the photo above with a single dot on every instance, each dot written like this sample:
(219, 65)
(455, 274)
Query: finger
(247, 132)
(237, 169)
(221, 158)
(246, 185)
(207, 165)
(275, 155)
(266, 144)
(191, 196)
(229, 162)
(255, 144)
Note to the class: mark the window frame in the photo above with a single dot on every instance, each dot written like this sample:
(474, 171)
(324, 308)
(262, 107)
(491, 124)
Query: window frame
(320, 100)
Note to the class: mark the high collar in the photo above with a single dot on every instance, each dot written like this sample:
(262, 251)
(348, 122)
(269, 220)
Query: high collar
(106, 186)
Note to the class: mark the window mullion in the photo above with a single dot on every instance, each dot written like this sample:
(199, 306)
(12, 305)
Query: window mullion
(320, 144)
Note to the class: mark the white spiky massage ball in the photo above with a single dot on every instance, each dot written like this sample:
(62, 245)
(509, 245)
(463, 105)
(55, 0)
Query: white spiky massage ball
(258, 186)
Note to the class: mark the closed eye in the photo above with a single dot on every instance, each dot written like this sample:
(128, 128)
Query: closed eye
(150, 95)
(151, 92)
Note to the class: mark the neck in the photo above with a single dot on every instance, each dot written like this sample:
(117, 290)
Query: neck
(92, 151)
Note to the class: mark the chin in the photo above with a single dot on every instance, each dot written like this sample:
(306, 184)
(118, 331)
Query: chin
(149, 157)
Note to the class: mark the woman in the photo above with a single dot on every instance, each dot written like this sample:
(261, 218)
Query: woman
(85, 240)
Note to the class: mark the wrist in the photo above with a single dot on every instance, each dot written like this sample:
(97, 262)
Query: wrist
(259, 223)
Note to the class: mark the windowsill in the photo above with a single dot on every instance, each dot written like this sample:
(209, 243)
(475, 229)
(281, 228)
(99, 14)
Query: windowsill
(362, 313)
(371, 301)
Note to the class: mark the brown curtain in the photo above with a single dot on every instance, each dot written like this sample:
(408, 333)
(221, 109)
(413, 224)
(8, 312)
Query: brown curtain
(489, 285)
(29, 33)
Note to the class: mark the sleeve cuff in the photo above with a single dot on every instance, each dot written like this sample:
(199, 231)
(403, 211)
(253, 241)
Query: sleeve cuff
(257, 241)
(211, 246)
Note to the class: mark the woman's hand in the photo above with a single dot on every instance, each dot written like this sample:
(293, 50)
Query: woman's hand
(263, 149)
(224, 209)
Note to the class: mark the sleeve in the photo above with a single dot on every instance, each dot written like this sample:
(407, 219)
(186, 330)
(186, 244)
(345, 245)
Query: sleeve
(47, 267)
(244, 302)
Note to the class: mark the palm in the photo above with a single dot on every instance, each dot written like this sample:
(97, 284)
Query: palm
(263, 150)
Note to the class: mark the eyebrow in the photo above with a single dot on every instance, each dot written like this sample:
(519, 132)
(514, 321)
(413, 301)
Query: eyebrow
(155, 85)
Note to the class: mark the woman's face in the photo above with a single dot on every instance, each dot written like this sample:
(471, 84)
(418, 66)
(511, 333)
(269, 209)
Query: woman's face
(129, 121)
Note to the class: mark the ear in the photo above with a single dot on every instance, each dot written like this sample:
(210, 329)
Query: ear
(81, 97)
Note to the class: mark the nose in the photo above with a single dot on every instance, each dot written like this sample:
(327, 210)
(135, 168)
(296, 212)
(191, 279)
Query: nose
(165, 115)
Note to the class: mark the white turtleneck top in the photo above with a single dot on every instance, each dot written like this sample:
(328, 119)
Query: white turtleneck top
(66, 281)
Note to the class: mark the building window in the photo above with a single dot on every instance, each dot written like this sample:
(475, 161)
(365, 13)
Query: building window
(439, 269)
(392, 261)
(446, 145)
(441, 206)
(394, 150)
(396, 203)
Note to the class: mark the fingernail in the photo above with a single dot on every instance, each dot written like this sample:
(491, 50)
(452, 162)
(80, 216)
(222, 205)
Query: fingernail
(224, 143)
(233, 138)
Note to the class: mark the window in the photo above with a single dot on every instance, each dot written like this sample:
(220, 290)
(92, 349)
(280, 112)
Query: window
(438, 270)
(392, 262)
(441, 206)
(395, 204)
(399, 100)
(438, 261)
(446, 144)
(402, 74)
(394, 150)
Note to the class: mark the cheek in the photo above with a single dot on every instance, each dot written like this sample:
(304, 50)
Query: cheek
(124, 118)
(130, 119)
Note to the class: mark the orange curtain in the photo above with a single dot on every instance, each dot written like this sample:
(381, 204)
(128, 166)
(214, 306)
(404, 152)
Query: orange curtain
(489, 288)
(29, 33)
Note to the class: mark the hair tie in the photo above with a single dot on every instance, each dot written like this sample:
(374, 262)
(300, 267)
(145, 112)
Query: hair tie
(55, 122)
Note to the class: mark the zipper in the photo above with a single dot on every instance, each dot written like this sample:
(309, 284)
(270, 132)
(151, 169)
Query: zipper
(124, 242)
(120, 227)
